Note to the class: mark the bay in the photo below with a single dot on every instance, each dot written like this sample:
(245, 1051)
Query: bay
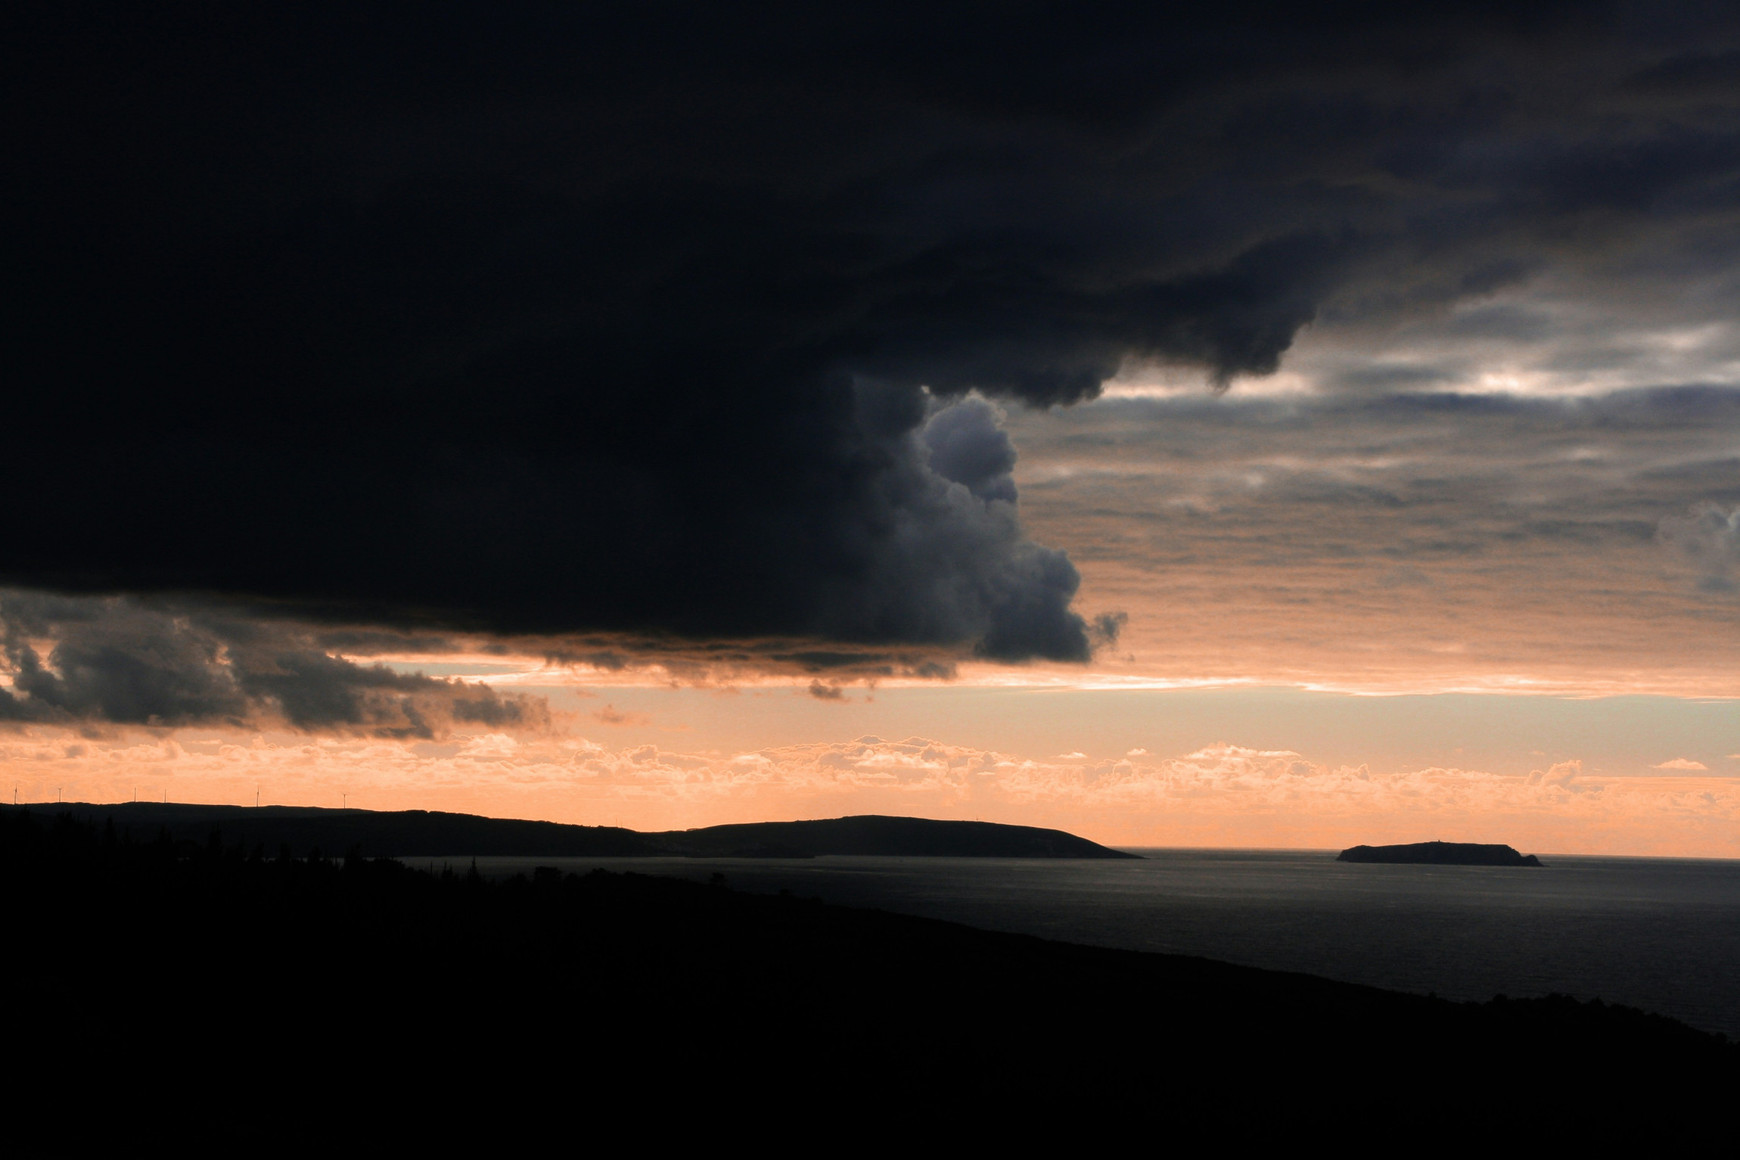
(1660, 934)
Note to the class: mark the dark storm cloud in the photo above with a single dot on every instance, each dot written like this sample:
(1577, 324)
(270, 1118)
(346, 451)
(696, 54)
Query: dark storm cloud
(969, 448)
(122, 661)
(553, 319)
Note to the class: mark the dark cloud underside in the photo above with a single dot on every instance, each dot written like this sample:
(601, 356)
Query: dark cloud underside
(554, 319)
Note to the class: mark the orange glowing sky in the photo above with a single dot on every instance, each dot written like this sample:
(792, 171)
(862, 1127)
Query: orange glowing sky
(1393, 631)
(1389, 413)
(1285, 677)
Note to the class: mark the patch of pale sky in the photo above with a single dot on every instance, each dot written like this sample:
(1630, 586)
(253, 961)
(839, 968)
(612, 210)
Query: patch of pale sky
(1577, 343)
(1140, 380)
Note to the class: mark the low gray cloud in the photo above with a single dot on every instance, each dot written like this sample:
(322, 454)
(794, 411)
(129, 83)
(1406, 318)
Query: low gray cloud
(118, 664)
(1337, 536)
(723, 662)
(1709, 536)
(125, 661)
(1402, 478)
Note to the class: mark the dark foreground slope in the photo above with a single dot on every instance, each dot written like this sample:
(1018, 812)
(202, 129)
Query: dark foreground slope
(1441, 854)
(432, 834)
(194, 995)
(396, 833)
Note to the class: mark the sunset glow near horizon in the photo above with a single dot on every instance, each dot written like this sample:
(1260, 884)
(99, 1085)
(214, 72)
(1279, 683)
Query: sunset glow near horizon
(1139, 460)
(1567, 758)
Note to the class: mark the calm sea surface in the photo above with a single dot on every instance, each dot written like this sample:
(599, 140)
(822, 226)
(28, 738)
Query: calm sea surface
(1657, 933)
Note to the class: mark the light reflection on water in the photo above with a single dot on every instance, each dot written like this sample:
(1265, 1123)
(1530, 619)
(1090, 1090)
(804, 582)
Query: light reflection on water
(1657, 933)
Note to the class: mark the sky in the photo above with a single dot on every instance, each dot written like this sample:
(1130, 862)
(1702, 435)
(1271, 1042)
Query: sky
(1278, 425)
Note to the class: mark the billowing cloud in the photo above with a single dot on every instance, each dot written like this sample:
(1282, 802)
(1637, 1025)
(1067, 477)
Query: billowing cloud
(968, 447)
(538, 321)
(945, 556)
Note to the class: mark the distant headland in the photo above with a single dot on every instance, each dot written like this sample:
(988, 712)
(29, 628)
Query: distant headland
(427, 833)
(1441, 854)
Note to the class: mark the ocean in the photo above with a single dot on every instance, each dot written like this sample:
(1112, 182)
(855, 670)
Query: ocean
(1662, 934)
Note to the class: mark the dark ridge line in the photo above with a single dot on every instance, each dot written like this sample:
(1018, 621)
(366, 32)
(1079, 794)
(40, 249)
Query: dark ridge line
(434, 833)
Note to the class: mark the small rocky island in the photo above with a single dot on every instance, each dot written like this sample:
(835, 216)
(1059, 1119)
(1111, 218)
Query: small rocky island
(1441, 854)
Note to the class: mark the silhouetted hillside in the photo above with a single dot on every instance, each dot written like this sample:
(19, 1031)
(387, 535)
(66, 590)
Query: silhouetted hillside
(395, 833)
(872, 834)
(218, 996)
(424, 833)
(1441, 854)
